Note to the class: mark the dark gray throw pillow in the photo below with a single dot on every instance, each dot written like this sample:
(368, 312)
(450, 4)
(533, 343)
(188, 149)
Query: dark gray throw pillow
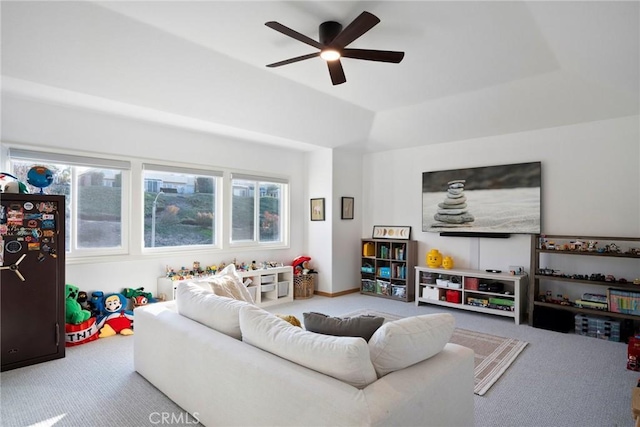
(360, 326)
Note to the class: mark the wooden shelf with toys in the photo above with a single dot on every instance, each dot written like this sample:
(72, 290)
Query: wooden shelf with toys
(585, 275)
(387, 268)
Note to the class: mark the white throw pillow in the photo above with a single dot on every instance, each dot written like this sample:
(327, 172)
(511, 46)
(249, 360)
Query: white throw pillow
(344, 358)
(203, 306)
(405, 342)
(228, 283)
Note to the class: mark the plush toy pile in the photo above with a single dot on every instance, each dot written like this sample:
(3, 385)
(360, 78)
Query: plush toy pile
(101, 315)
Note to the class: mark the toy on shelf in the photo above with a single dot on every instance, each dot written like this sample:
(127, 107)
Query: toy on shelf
(434, 258)
(15, 186)
(447, 263)
(40, 177)
(301, 266)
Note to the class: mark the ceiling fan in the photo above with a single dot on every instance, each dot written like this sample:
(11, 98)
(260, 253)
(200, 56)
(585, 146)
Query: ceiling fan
(333, 41)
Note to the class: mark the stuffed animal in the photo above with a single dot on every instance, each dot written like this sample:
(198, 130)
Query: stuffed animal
(290, 318)
(14, 186)
(116, 320)
(74, 314)
(97, 305)
(86, 304)
(138, 296)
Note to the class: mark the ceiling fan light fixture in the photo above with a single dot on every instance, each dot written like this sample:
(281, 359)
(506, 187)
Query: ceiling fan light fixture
(330, 54)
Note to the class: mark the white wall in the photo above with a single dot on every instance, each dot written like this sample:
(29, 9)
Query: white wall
(319, 169)
(590, 186)
(347, 182)
(52, 126)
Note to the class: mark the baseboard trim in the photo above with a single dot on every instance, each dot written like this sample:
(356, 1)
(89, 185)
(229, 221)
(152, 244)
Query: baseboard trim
(336, 294)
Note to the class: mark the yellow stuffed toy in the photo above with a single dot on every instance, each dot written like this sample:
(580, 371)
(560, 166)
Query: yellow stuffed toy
(291, 319)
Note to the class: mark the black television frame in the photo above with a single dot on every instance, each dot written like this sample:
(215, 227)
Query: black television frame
(523, 182)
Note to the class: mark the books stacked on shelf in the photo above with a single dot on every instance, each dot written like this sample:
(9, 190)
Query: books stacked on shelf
(384, 252)
(626, 302)
(398, 253)
(400, 271)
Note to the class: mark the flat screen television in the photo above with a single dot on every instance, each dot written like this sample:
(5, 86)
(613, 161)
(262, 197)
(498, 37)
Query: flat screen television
(490, 201)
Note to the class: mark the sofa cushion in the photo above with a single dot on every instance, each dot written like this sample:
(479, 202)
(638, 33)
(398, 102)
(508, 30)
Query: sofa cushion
(228, 283)
(203, 306)
(401, 343)
(359, 326)
(344, 358)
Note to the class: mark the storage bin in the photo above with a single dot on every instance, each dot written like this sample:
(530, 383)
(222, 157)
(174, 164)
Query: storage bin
(597, 327)
(268, 288)
(398, 291)
(303, 286)
(283, 289)
(253, 290)
(368, 285)
(368, 249)
(367, 269)
(268, 278)
(471, 283)
(454, 296)
(383, 287)
(384, 271)
(429, 278)
(431, 292)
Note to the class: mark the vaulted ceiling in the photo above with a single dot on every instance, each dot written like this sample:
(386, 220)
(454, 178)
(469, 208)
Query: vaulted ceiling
(471, 69)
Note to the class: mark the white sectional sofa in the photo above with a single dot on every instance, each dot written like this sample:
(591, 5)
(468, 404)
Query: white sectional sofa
(224, 381)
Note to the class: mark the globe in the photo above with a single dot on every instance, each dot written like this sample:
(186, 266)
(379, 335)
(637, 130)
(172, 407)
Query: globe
(40, 176)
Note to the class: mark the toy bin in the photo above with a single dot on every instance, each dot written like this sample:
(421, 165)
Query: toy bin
(368, 285)
(597, 327)
(303, 286)
(368, 249)
(471, 283)
(283, 289)
(453, 296)
(430, 292)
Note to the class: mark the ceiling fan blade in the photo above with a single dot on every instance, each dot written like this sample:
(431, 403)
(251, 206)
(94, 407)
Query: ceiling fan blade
(363, 23)
(336, 72)
(373, 55)
(292, 60)
(293, 34)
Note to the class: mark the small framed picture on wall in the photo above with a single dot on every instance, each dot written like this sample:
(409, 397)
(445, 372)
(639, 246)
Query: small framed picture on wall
(347, 208)
(317, 209)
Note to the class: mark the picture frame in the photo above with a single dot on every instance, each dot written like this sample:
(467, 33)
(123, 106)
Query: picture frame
(347, 208)
(392, 232)
(317, 209)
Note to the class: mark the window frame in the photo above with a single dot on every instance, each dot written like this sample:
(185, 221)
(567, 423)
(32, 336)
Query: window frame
(75, 161)
(216, 175)
(284, 208)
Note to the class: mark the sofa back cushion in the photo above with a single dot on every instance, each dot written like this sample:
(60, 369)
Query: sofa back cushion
(203, 306)
(228, 283)
(344, 358)
(405, 342)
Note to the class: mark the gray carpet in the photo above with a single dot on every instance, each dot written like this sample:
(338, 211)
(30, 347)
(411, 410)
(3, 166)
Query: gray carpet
(560, 380)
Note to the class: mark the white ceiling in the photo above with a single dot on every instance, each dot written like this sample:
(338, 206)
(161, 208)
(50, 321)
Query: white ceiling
(471, 69)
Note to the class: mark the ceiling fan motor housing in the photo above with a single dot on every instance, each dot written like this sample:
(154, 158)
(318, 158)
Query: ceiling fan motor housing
(328, 31)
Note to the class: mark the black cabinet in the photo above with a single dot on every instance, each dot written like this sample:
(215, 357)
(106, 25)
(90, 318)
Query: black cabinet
(32, 279)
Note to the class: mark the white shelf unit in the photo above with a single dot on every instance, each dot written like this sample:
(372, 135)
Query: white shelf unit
(515, 285)
(268, 285)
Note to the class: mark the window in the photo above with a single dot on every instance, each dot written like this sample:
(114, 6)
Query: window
(180, 206)
(94, 191)
(258, 213)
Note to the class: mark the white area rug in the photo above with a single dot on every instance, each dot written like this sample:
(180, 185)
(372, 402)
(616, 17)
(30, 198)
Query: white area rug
(493, 354)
